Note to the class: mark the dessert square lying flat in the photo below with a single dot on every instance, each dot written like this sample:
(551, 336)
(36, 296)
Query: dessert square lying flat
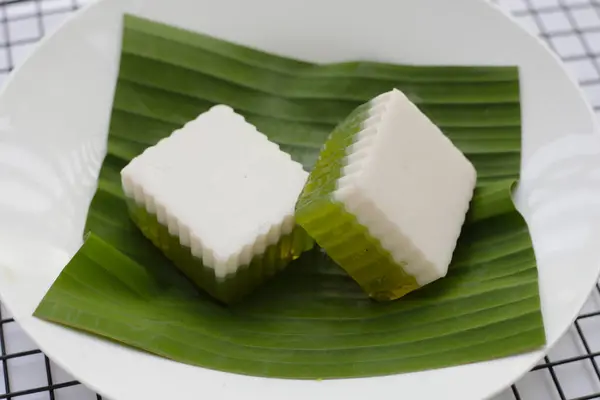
(388, 197)
(217, 197)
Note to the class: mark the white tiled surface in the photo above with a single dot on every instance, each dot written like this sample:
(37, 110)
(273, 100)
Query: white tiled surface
(573, 30)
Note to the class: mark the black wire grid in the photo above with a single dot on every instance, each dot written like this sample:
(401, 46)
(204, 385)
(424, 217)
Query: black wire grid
(570, 27)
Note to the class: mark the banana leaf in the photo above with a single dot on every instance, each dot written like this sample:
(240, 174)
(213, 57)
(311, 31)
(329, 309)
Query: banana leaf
(312, 321)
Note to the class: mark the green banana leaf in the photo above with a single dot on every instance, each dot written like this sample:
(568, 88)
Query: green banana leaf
(312, 321)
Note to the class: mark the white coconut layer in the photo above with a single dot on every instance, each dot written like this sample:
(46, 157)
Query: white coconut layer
(220, 186)
(408, 184)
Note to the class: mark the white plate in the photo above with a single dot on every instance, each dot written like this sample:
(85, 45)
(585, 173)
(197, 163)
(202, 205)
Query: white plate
(54, 116)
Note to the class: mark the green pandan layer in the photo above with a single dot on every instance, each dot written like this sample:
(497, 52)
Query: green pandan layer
(235, 286)
(337, 231)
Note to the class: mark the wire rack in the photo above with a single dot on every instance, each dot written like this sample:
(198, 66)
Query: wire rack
(570, 371)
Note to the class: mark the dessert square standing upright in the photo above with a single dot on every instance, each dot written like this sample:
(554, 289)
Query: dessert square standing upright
(217, 197)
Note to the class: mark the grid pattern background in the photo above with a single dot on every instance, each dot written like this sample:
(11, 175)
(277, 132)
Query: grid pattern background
(570, 371)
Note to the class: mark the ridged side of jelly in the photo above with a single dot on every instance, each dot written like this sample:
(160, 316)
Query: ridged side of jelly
(389, 236)
(334, 226)
(231, 287)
